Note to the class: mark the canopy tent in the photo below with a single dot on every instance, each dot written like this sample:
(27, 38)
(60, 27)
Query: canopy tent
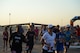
(74, 19)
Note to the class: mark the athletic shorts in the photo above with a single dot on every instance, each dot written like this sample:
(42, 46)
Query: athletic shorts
(46, 51)
(17, 49)
(5, 39)
(67, 44)
(30, 47)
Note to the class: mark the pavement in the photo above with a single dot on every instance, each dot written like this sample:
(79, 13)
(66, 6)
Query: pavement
(37, 49)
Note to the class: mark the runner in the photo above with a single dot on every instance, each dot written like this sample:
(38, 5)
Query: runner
(56, 29)
(78, 32)
(16, 40)
(5, 38)
(30, 39)
(47, 40)
(60, 37)
(36, 33)
(43, 30)
(67, 37)
(10, 30)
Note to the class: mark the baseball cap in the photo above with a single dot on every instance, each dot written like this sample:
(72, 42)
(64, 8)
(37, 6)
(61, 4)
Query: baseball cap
(50, 26)
(67, 25)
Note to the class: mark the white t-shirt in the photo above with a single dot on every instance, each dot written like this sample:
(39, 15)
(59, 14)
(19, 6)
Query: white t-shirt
(49, 40)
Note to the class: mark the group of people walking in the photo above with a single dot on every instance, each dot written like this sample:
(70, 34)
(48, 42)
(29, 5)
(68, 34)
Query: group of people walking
(53, 38)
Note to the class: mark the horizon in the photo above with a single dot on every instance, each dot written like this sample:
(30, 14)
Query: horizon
(56, 12)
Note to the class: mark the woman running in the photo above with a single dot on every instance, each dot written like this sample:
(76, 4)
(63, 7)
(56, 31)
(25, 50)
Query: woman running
(5, 38)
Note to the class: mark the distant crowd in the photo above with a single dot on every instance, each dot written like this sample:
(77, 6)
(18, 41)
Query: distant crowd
(52, 38)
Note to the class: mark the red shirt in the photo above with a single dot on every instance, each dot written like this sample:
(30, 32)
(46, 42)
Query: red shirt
(36, 32)
(5, 34)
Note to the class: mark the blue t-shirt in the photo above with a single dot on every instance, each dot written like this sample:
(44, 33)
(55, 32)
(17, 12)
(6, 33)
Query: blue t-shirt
(68, 36)
(59, 44)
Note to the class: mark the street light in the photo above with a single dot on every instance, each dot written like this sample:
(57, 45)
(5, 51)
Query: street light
(10, 23)
(9, 18)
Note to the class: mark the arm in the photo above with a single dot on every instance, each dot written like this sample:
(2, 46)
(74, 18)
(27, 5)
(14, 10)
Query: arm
(41, 33)
(10, 39)
(42, 41)
(24, 38)
(27, 37)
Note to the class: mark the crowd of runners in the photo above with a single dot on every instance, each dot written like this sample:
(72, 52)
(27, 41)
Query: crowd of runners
(52, 38)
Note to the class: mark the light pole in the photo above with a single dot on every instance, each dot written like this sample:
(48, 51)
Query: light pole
(9, 18)
(10, 23)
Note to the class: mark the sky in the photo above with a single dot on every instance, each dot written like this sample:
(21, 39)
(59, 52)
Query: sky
(39, 11)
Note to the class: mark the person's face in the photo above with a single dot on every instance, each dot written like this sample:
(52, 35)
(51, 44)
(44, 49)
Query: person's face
(50, 29)
(61, 29)
(44, 27)
(31, 28)
(67, 28)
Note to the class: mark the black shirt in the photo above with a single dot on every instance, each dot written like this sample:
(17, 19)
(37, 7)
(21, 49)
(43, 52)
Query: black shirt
(30, 37)
(17, 39)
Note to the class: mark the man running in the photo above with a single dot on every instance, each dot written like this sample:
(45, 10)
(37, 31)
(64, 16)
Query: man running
(67, 37)
(30, 39)
(60, 37)
(16, 40)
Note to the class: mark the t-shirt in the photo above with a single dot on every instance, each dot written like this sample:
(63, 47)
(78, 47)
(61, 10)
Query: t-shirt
(5, 34)
(68, 35)
(17, 39)
(49, 40)
(30, 37)
(60, 36)
(36, 32)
